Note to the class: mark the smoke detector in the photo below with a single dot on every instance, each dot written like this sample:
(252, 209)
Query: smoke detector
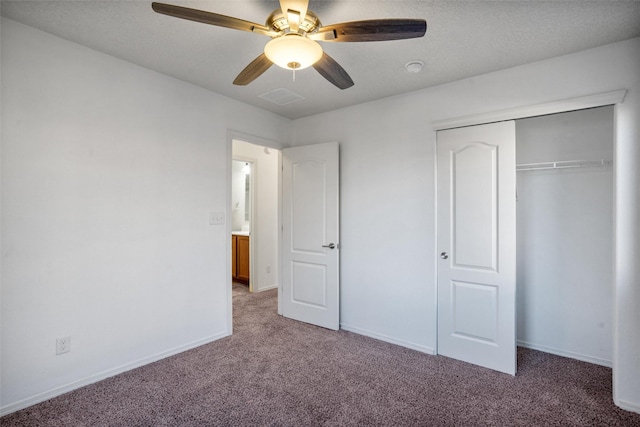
(414, 66)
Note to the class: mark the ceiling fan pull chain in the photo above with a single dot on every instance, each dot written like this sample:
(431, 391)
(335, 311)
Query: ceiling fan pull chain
(294, 75)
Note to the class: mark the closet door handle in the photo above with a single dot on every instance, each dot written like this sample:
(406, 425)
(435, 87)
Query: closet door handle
(330, 246)
(444, 255)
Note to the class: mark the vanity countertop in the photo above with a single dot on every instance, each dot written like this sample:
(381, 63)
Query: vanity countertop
(240, 233)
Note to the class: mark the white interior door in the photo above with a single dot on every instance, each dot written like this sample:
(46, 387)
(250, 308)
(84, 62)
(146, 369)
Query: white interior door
(477, 245)
(310, 243)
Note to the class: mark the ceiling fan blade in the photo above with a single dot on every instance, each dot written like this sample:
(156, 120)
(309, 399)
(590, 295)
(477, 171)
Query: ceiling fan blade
(210, 18)
(332, 71)
(373, 30)
(253, 70)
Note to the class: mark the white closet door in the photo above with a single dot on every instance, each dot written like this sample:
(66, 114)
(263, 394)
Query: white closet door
(477, 244)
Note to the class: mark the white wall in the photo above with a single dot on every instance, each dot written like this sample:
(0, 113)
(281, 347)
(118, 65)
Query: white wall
(238, 198)
(387, 151)
(109, 172)
(264, 227)
(565, 236)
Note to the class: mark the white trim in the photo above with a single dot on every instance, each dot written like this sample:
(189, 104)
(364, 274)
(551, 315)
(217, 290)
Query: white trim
(229, 237)
(268, 288)
(91, 379)
(627, 406)
(565, 353)
(581, 103)
(386, 338)
(253, 139)
(436, 295)
(279, 232)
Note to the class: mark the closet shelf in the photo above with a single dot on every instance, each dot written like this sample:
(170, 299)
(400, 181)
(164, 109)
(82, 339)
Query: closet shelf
(563, 164)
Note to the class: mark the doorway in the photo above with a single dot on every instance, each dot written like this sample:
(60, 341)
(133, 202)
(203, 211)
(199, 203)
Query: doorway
(565, 252)
(304, 185)
(254, 216)
(241, 218)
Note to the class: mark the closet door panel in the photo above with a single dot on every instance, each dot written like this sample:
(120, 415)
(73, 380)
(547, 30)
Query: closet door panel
(476, 243)
(474, 187)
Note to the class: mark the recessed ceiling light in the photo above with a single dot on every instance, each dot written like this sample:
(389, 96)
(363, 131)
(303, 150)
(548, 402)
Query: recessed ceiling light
(414, 66)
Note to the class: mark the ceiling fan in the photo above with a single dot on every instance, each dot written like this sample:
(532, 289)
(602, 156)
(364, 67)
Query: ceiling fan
(295, 32)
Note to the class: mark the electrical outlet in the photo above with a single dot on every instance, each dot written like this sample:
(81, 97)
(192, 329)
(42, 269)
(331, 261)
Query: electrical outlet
(63, 345)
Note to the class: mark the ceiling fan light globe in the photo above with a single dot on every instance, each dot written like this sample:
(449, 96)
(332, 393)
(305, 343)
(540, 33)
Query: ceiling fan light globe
(293, 51)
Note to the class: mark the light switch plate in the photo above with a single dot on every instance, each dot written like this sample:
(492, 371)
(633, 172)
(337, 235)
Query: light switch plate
(216, 218)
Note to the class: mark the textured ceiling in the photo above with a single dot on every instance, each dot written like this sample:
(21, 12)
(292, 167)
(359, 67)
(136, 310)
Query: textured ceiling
(464, 38)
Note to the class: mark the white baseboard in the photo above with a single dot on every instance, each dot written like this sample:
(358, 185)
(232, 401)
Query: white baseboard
(386, 338)
(628, 406)
(57, 391)
(274, 286)
(569, 354)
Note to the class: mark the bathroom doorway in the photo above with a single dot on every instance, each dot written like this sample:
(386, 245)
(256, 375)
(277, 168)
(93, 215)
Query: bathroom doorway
(241, 216)
(254, 216)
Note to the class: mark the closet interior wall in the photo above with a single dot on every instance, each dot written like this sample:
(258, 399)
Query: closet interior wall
(565, 234)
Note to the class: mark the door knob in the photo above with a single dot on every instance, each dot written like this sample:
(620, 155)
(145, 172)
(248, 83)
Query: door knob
(444, 255)
(330, 246)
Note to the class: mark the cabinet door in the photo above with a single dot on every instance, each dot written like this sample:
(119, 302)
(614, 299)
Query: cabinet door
(234, 260)
(243, 258)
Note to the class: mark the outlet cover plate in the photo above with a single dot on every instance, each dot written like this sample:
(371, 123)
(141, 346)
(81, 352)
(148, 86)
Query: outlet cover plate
(63, 345)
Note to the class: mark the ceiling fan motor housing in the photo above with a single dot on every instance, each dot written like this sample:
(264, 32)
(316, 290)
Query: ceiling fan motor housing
(279, 23)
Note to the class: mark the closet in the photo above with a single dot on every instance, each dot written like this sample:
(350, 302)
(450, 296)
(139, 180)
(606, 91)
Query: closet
(564, 209)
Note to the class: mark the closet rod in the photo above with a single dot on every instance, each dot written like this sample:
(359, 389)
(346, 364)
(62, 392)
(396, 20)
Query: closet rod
(563, 164)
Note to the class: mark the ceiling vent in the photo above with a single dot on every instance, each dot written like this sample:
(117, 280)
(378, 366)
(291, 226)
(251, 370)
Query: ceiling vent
(281, 96)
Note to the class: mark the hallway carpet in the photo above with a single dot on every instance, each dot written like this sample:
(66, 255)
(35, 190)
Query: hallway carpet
(278, 372)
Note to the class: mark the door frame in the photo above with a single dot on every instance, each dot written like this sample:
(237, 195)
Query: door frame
(267, 143)
(562, 106)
